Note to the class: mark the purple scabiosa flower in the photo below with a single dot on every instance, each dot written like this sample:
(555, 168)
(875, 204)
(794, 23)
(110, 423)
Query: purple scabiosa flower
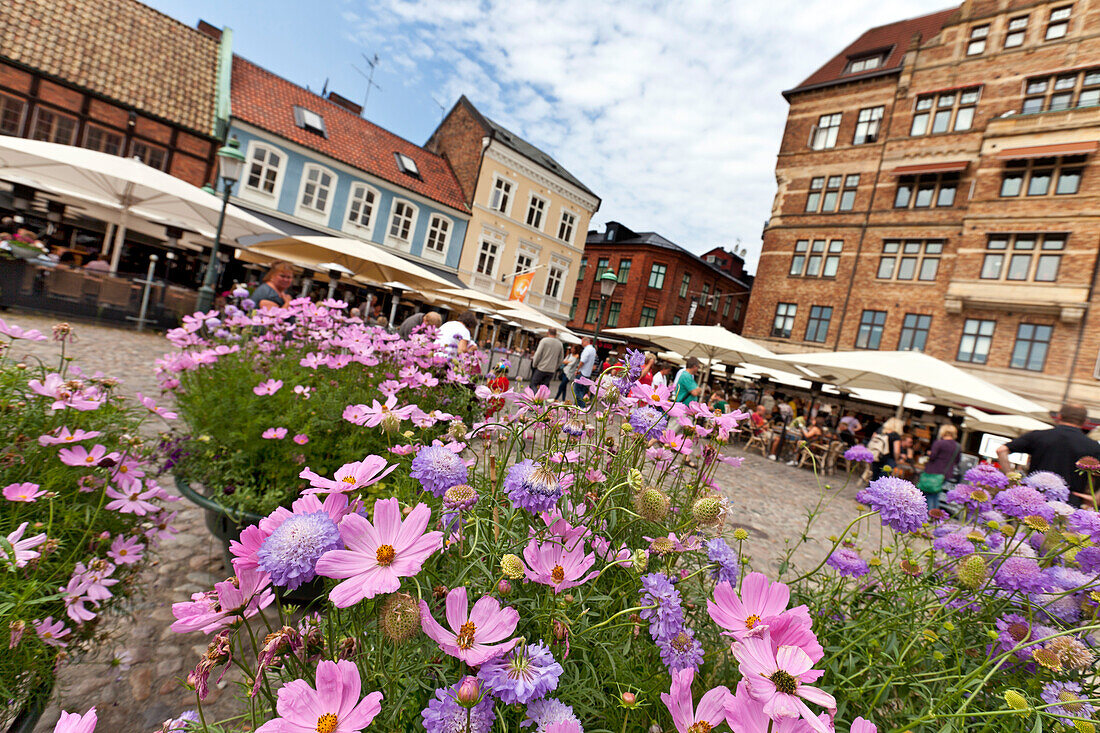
(987, 475)
(1067, 578)
(667, 618)
(1022, 574)
(1066, 609)
(522, 675)
(291, 553)
(955, 544)
(1023, 501)
(438, 468)
(532, 487)
(900, 504)
(975, 498)
(445, 715)
(680, 650)
(847, 561)
(1088, 558)
(1085, 521)
(574, 428)
(859, 454)
(648, 422)
(546, 712)
(723, 555)
(460, 497)
(1066, 700)
(1013, 629)
(1052, 485)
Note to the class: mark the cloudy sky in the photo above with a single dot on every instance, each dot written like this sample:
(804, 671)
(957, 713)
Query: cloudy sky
(670, 111)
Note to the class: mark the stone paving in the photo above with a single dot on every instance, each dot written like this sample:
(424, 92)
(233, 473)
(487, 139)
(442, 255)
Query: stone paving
(768, 498)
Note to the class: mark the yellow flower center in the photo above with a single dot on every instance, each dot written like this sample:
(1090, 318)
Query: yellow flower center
(89, 459)
(465, 638)
(752, 621)
(784, 682)
(701, 727)
(327, 723)
(348, 479)
(557, 574)
(122, 469)
(1070, 701)
(385, 555)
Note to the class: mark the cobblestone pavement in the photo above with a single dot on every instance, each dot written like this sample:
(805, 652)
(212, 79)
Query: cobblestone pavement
(768, 498)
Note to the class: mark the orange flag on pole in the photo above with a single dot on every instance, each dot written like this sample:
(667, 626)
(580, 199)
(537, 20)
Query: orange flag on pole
(520, 285)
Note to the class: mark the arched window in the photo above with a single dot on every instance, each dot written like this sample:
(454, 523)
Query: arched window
(264, 167)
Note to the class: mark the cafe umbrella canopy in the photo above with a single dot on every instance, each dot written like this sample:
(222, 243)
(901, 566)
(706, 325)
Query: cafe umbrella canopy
(910, 373)
(709, 343)
(124, 185)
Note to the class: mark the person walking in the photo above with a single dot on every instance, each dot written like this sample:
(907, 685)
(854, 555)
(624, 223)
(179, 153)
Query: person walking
(585, 365)
(548, 358)
(1057, 449)
(942, 458)
(687, 389)
(568, 369)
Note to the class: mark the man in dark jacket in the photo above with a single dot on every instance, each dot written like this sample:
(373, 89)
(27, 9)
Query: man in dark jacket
(547, 359)
(1057, 449)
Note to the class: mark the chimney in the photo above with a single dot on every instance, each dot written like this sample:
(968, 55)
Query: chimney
(350, 106)
(209, 30)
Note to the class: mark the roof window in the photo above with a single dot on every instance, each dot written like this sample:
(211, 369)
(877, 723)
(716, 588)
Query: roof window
(309, 120)
(866, 62)
(407, 165)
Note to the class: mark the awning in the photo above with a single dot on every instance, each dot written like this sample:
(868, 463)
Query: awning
(1048, 151)
(905, 170)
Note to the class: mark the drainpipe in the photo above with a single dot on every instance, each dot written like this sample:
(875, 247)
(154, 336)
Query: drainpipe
(1081, 328)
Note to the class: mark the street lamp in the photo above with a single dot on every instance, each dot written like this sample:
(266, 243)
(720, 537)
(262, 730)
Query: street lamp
(230, 168)
(607, 282)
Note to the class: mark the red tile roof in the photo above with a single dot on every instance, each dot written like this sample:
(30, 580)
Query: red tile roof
(267, 101)
(893, 39)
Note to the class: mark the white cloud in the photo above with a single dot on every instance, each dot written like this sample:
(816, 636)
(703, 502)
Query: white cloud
(670, 111)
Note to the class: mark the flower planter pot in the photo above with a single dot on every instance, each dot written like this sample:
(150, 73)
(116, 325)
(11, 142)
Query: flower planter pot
(226, 524)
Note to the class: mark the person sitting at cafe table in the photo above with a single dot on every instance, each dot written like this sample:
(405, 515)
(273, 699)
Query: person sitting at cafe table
(811, 435)
(272, 292)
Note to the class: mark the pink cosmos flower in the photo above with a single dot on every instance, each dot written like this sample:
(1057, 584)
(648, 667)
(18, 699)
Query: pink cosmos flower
(473, 633)
(274, 434)
(334, 706)
(76, 723)
(777, 679)
(373, 416)
(134, 500)
(13, 331)
(25, 492)
(687, 719)
(151, 406)
(64, 436)
(126, 550)
(677, 443)
(745, 714)
(350, 476)
(21, 549)
(75, 600)
(404, 449)
(390, 387)
(559, 565)
(268, 387)
(378, 555)
(79, 456)
(760, 600)
(301, 438)
(51, 632)
(302, 391)
(242, 596)
(862, 725)
(656, 395)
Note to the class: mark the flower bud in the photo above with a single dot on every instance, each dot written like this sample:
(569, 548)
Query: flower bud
(640, 561)
(504, 587)
(1016, 700)
(634, 478)
(512, 566)
(740, 534)
(400, 617)
(469, 693)
(568, 598)
(707, 510)
(629, 700)
(460, 497)
(652, 504)
(971, 572)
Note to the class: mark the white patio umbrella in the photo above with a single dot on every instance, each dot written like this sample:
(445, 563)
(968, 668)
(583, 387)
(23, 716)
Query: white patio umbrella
(125, 185)
(1009, 426)
(712, 343)
(911, 372)
(365, 260)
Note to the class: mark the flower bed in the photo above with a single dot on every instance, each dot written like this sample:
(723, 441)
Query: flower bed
(564, 570)
(79, 515)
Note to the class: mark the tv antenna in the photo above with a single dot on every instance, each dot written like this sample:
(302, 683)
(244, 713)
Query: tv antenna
(442, 107)
(373, 64)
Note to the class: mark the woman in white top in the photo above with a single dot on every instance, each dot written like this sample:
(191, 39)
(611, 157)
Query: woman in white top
(660, 377)
(455, 336)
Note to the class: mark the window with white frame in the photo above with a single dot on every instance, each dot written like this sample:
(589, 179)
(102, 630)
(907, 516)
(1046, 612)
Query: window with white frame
(945, 112)
(784, 320)
(361, 205)
(815, 260)
(555, 276)
(439, 230)
(401, 222)
(565, 228)
(867, 125)
(525, 260)
(912, 259)
(825, 131)
(977, 338)
(151, 155)
(1035, 257)
(53, 127)
(860, 64)
(535, 212)
(501, 195)
(487, 258)
(309, 120)
(1016, 32)
(264, 165)
(1058, 24)
(316, 189)
(979, 35)
(1062, 91)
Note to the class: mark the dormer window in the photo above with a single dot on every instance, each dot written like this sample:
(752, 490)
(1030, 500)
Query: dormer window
(309, 120)
(407, 165)
(859, 64)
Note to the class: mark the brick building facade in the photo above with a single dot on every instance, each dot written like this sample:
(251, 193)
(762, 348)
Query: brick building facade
(111, 75)
(937, 189)
(660, 284)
